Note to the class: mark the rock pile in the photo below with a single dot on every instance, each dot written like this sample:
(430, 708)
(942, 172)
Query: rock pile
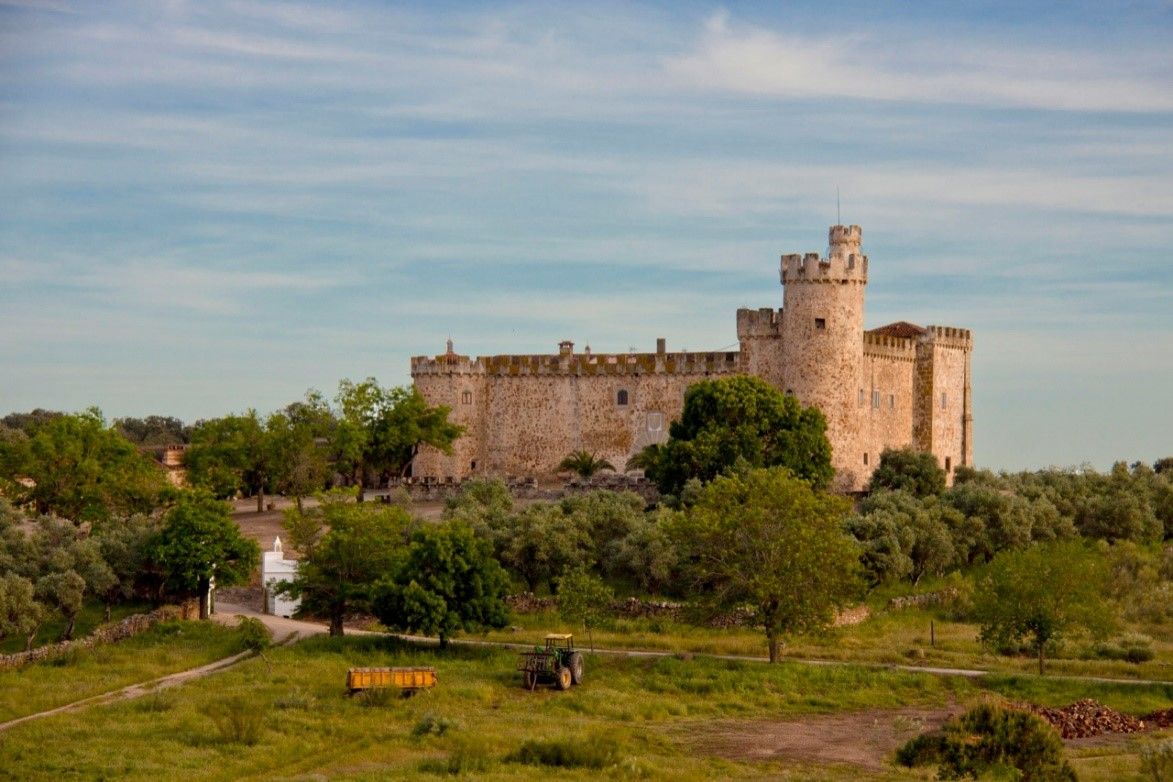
(1159, 719)
(1086, 718)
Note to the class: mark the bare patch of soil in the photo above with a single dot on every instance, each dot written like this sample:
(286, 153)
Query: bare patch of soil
(866, 739)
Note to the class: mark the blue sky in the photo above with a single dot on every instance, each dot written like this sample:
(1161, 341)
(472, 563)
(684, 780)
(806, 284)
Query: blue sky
(210, 206)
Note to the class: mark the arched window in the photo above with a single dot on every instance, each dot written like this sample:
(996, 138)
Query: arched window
(621, 397)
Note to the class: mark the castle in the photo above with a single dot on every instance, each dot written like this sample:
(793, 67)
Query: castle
(894, 386)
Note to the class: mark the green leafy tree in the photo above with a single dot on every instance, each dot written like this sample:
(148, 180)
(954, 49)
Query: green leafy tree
(542, 542)
(63, 591)
(647, 556)
(338, 572)
(482, 504)
(741, 419)
(231, 455)
(154, 430)
(584, 599)
(1040, 595)
(765, 540)
(20, 613)
(75, 467)
(448, 582)
(198, 542)
(298, 438)
(910, 470)
(905, 538)
(584, 464)
(124, 544)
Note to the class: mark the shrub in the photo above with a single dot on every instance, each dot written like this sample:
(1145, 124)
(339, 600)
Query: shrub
(596, 753)
(432, 724)
(296, 698)
(238, 720)
(254, 636)
(992, 740)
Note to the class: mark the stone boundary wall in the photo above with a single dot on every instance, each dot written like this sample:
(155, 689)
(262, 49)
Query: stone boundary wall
(109, 633)
(941, 597)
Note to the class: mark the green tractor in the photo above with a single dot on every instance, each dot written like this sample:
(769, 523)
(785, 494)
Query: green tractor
(558, 663)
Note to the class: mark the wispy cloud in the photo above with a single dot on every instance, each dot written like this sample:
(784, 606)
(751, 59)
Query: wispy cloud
(748, 59)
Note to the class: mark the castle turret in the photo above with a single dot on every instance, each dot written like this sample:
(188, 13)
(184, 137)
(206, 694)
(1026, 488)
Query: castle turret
(822, 352)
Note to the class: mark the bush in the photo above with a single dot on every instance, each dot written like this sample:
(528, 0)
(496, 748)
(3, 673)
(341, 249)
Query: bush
(431, 724)
(1130, 648)
(254, 636)
(596, 753)
(238, 720)
(296, 698)
(995, 741)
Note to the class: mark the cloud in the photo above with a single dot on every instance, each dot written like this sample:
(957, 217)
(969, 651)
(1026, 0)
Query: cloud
(746, 59)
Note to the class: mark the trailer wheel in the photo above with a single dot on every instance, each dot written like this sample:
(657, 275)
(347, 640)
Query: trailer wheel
(576, 667)
(562, 678)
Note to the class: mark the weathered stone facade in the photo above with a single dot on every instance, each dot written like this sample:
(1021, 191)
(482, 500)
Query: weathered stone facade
(894, 386)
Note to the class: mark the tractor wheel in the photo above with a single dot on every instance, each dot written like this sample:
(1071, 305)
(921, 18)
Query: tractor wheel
(530, 679)
(576, 667)
(562, 678)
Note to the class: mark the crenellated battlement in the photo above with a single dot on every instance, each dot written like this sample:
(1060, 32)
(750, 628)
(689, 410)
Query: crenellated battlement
(883, 345)
(764, 322)
(949, 336)
(811, 267)
(582, 364)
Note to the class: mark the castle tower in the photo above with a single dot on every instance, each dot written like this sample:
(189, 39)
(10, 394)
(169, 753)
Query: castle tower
(821, 350)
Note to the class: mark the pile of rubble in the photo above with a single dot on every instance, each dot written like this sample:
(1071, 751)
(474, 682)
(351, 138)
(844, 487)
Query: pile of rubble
(1159, 719)
(1086, 718)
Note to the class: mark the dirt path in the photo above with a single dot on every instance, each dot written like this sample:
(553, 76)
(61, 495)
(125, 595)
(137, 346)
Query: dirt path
(134, 690)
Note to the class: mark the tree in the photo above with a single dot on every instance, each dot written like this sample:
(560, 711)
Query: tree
(1040, 595)
(20, 613)
(199, 542)
(736, 419)
(75, 467)
(584, 599)
(584, 464)
(910, 470)
(380, 430)
(542, 542)
(65, 591)
(297, 439)
(763, 539)
(448, 582)
(903, 537)
(124, 545)
(338, 572)
(230, 455)
(154, 430)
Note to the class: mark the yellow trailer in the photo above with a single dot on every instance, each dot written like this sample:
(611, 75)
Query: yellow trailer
(407, 679)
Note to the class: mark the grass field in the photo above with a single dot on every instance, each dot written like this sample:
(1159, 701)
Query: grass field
(632, 718)
(165, 648)
(900, 637)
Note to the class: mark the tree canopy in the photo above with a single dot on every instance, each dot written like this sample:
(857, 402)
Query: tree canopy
(75, 467)
(910, 470)
(740, 419)
(764, 540)
(362, 543)
(449, 581)
(1040, 594)
(199, 541)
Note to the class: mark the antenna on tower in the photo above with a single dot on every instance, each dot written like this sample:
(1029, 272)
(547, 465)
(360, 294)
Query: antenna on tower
(838, 215)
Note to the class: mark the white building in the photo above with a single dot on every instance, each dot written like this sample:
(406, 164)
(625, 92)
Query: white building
(274, 569)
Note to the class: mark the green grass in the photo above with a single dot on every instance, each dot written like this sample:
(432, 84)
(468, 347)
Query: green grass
(631, 716)
(92, 615)
(165, 648)
(889, 637)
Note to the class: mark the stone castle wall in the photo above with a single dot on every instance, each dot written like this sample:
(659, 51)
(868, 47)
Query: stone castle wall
(901, 385)
(525, 414)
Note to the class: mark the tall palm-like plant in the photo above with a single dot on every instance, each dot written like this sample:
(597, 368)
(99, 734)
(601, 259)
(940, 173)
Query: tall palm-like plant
(585, 464)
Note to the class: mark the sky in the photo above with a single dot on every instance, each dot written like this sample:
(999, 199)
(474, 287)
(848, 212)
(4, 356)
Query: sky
(212, 206)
